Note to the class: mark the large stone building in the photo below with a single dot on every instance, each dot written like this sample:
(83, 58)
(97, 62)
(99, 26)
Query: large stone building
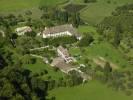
(62, 30)
(63, 53)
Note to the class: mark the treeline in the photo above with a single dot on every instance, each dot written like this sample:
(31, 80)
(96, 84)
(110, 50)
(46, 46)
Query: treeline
(17, 83)
(118, 80)
(118, 26)
(89, 1)
(60, 41)
(58, 16)
(115, 79)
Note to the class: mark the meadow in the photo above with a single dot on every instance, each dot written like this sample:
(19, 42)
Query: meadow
(40, 66)
(96, 12)
(93, 90)
(17, 7)
(105, 50)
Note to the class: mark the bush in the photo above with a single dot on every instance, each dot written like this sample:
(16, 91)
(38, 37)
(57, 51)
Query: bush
(128, 93)
(90, 1)
(86, 40)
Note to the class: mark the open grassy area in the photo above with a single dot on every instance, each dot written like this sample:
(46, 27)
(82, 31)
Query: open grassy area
(89, 30)
(40, 67)
(16, 5)
(95, 12)
(21, 6)
(90, 91)
(104, 50)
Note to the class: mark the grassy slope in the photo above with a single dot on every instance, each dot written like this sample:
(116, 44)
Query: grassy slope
(95, 12)
(90, 91)
(102, 50)
(15, 5)
(40, 66)
(20, 6)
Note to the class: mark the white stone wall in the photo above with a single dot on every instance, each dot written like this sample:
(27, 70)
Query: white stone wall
(57, 34)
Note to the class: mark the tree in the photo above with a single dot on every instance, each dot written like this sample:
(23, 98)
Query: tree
(16, 84)
(89, 1)
(31, 34)
(86, 40)
(76, 19)
(107, 69)
(117, 36)
(28, 13)
(2, 62)
(14, 36)
(75, 78)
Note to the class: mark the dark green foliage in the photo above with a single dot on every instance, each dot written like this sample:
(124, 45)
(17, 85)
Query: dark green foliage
(2, 62)
(107, 68)
(61, 16)
(86, 40)
(9, 20)
(118, 27)
(76, 19)
(90, 1)
(75, 78)
(14, 36)
(60, 41)
(58, 16)
(31, 34)
(117, 37)
(28, 13)
(74, 8)
(17, 83)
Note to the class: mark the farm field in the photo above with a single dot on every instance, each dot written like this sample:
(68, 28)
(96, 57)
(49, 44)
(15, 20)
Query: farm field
(90, 91)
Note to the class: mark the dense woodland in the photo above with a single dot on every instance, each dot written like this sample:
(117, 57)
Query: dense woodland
(119, 26)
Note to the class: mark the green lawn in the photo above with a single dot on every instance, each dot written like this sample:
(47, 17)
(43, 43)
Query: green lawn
(86, 29)
(89, 30)
(40, 67)
(90, 91)
(95, 12)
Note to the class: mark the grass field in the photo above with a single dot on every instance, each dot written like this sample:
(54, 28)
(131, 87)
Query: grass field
(90, 91)
(104, 50)
(95, 12)
(88, 29)
(40, 67)
(16, 5)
